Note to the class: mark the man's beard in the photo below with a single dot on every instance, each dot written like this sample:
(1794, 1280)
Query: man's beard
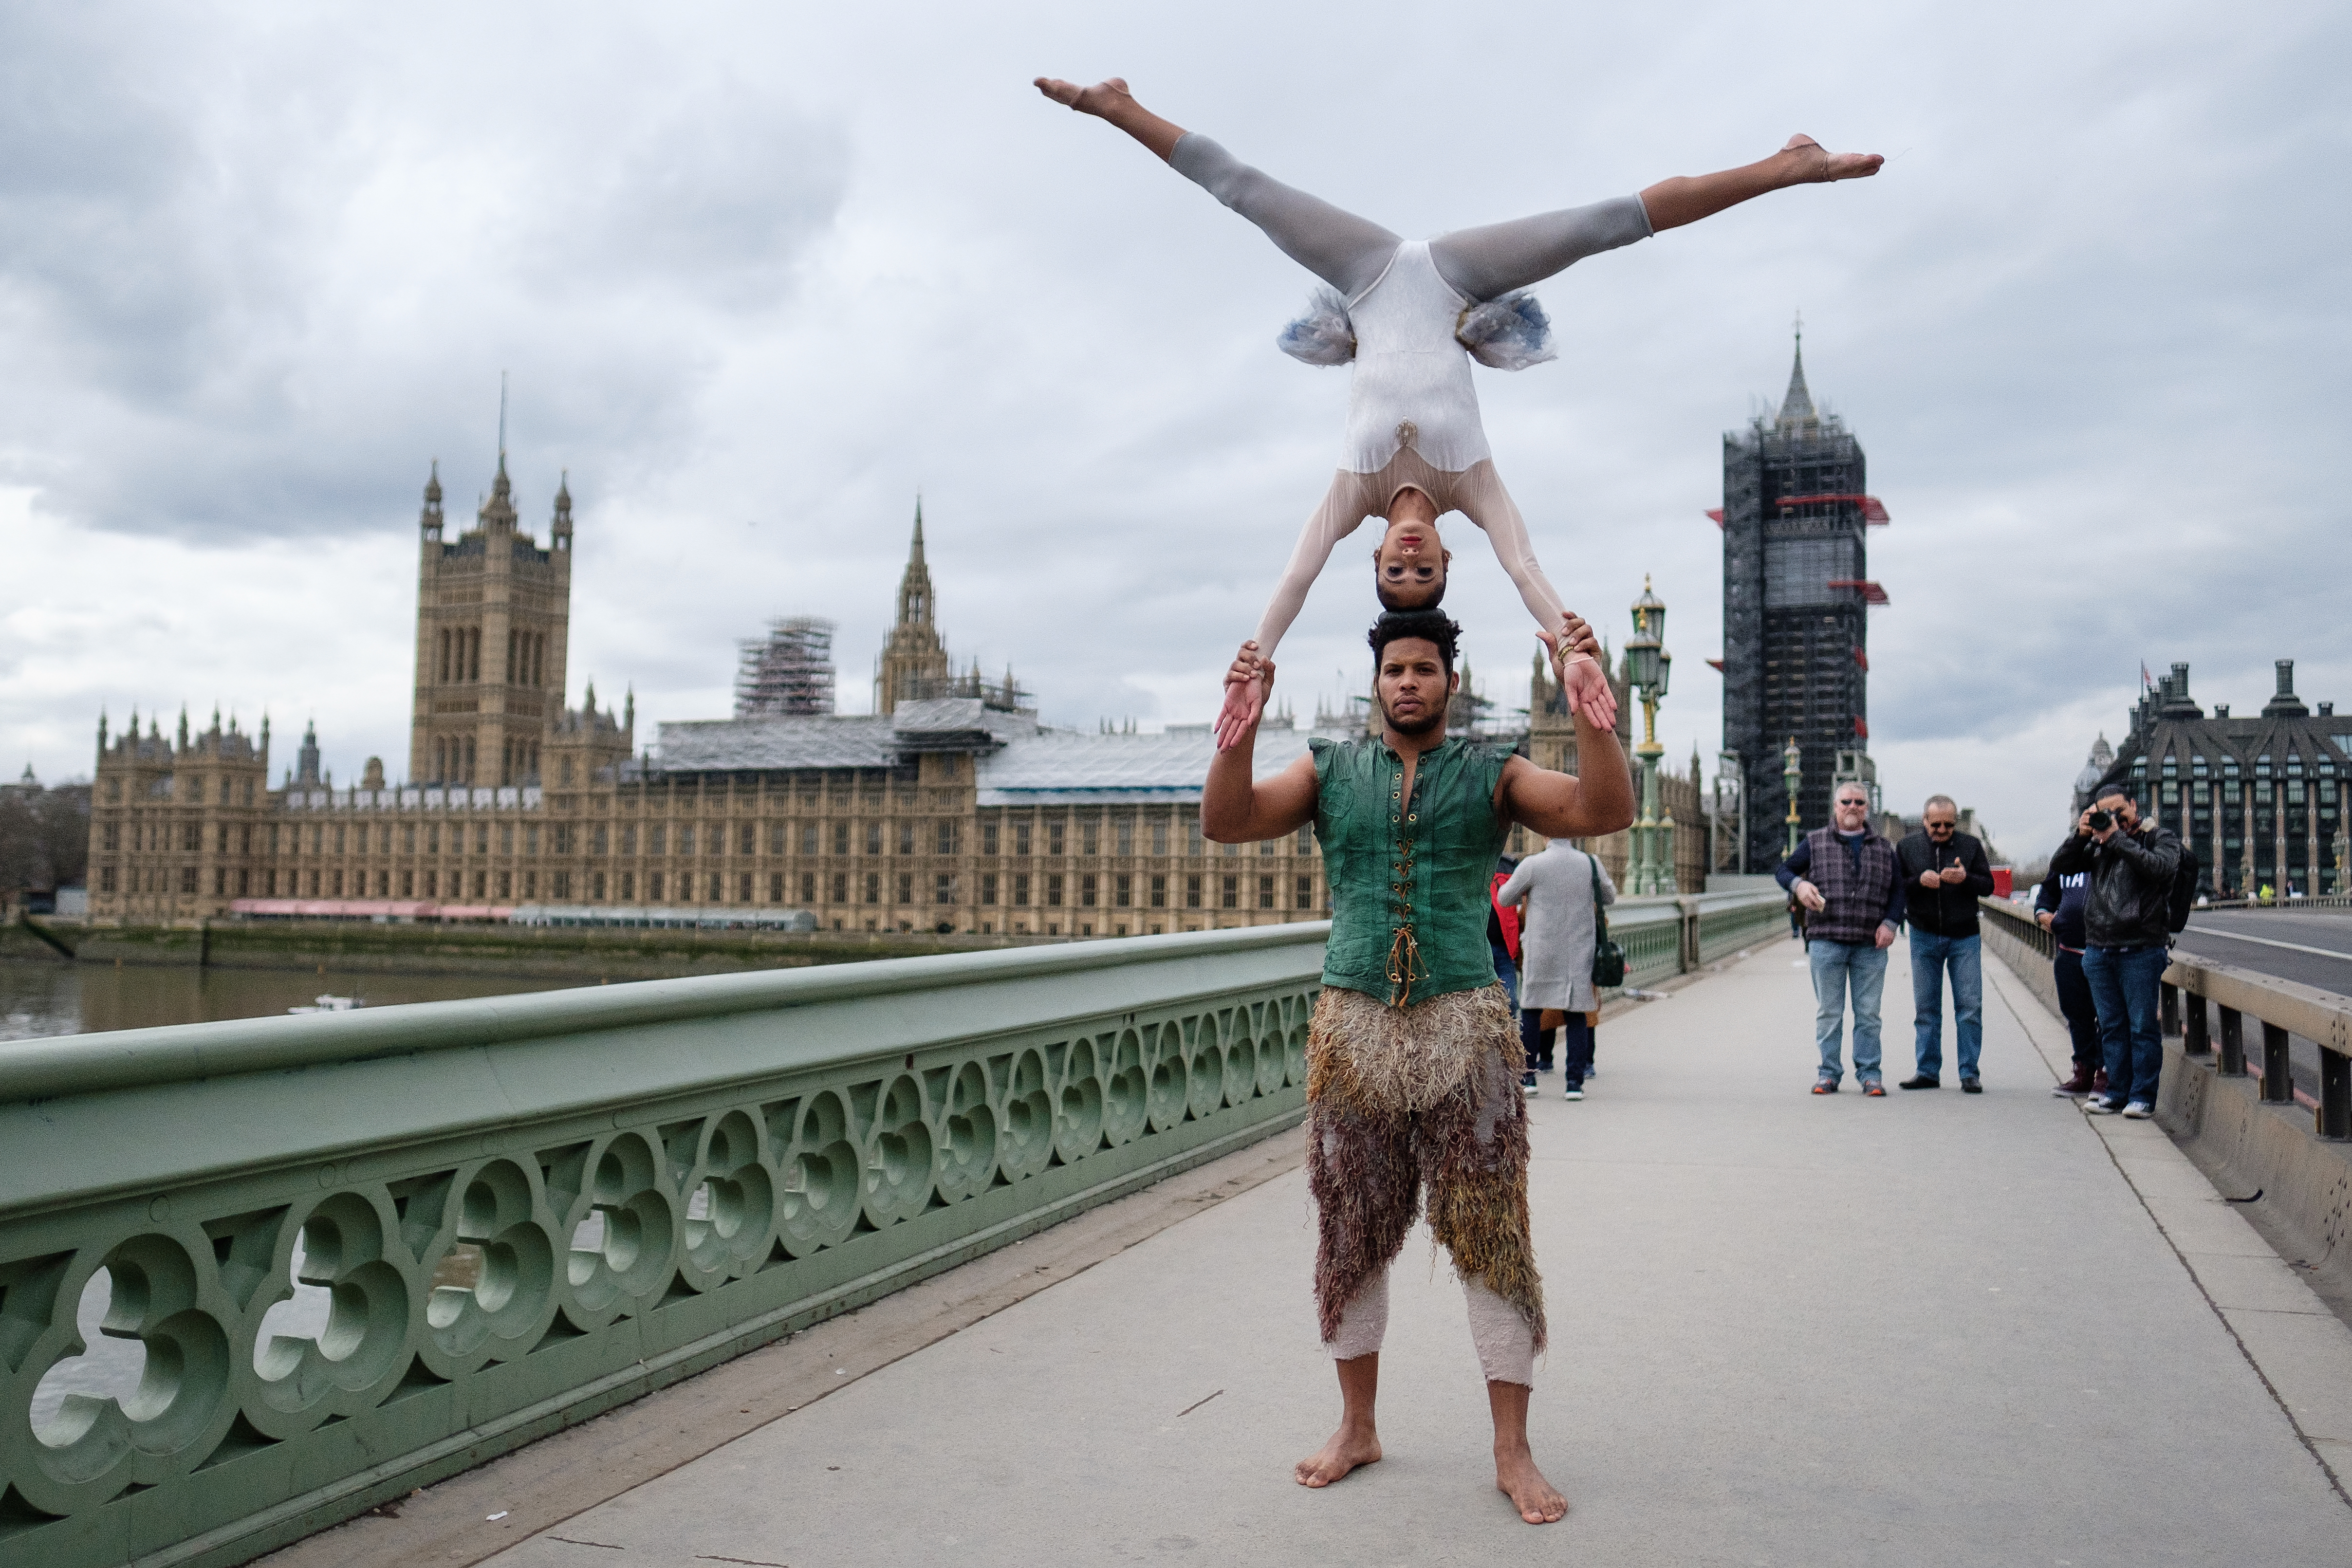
(1433, 719)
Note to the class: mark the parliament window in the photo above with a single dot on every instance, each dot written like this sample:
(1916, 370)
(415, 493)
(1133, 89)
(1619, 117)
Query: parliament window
(988, 837)
(1191, 893)
(905, 887)
(628, 886)
(776, 840)
(506, 885)
(1265, 893)
(562, 879)
(873, 838)
(1306, 893)
(840, 837)
(944, 892)
(841, 887)
(744, 888)
(1053, 838)
(1090, 837)
(1087, 891)
(1122, 890)
(188, 879)
(1160, 835)
(717, 888)
(1021, 838)
(905, 842)
(654, 887)
(1054, 891)
(1159, 893)
(873, 887)
(947, 838)
(1021, 890)
(746, 838)
(686, 838)
(1124, 835)
(988, 887)
(1230, 895)
(775, 887)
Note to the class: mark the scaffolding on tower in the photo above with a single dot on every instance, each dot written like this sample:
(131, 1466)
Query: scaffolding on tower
(787, 674)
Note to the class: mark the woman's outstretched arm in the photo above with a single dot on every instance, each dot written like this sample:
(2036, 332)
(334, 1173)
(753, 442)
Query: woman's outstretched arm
(1498, 257)
(1342, 249)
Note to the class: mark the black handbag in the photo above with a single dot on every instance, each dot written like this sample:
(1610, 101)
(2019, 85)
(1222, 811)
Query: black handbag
(1608, 958)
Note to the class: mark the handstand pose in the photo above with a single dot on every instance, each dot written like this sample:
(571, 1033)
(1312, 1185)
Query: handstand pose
(1410, 314)
(1412, 1062)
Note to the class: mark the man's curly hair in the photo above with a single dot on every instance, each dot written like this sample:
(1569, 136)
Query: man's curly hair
(1429, 624)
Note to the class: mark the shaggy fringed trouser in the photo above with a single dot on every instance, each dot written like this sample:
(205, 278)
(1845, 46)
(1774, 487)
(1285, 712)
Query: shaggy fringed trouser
(1399, 1099)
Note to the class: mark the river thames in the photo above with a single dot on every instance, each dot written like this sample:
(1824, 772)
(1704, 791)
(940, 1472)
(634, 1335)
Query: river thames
(38, 1000)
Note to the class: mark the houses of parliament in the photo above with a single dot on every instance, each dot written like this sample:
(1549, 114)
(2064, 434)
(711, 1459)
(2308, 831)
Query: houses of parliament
(948, 809)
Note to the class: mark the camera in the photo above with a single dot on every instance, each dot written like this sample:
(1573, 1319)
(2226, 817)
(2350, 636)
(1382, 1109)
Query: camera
(2102, 821)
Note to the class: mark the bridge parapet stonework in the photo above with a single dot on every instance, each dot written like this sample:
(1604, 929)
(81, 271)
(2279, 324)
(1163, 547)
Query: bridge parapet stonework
(506, 1216)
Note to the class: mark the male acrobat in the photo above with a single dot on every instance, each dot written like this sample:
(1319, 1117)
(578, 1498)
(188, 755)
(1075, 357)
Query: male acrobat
(1413, 1054)
(1410, 314)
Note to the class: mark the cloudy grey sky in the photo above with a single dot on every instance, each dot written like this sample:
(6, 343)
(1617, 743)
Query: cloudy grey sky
(761, 273)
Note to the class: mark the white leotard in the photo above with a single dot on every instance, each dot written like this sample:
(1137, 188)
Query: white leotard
(1411, 383)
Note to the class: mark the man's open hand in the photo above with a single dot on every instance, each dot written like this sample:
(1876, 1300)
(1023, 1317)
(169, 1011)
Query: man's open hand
(1575, 664)
(1811, 896)
(1248, 680)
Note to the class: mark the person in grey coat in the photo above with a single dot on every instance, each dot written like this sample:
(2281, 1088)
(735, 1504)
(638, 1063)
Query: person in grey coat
(1556, 941)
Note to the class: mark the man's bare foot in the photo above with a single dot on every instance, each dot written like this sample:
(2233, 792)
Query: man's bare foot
(1812, 165)
(1517, 1477)
(1347, 1450)
(1096, 99)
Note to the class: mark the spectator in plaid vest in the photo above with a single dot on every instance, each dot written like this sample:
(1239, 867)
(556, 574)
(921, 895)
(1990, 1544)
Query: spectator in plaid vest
(1846, 876)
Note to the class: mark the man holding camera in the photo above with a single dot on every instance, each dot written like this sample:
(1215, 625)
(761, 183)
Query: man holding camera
(2131, 865)
(1944, 872)
(1848, 881)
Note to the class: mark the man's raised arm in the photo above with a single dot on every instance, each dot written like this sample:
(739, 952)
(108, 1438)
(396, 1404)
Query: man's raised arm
(1236, 808)
(1598, 799)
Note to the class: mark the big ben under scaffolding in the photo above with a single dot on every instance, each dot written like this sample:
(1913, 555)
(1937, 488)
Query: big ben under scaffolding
(1796, 595)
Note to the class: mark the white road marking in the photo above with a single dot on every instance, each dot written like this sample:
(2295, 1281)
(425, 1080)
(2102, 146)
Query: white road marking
(2270, 942)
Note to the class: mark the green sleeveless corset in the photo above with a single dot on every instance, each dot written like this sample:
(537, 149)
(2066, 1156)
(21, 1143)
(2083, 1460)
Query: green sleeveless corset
(1408, 878)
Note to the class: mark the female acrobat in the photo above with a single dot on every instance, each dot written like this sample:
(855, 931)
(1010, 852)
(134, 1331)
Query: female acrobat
(1411, 315)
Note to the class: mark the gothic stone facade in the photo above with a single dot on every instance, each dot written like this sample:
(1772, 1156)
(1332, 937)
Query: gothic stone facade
(954, 811)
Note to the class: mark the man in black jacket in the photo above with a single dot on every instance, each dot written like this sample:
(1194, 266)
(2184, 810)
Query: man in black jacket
(1944, 874)
(2131, 864)
(2059, 909)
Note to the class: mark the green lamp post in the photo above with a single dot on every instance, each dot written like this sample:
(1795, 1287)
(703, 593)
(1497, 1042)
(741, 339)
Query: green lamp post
(1648, 666)
(1793, 775)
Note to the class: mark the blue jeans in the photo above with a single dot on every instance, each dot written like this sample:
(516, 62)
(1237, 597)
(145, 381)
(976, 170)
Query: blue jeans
(1836, 966)
(1506, 972)
(2082, 1013)
(1931, 957)
(2125, 987)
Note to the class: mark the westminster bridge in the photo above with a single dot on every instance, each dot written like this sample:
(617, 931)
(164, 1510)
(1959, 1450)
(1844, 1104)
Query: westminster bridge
(1002, 1257)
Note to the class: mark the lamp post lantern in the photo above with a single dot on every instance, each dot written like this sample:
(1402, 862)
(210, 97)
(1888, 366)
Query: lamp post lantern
(1648, 667)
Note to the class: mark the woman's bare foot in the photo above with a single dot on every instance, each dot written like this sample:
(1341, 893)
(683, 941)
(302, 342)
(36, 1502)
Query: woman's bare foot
(1099, 98)
(1810, 163)
(1517, 1477)
(1348, 1449)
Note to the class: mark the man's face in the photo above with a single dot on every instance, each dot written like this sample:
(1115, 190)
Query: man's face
(1414, 686)
(2126, 809)
(1410, 564)
(1852, 810)
(1941, 822)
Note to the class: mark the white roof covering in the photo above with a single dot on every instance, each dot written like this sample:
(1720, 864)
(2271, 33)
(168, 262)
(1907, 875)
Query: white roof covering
(1016, 762)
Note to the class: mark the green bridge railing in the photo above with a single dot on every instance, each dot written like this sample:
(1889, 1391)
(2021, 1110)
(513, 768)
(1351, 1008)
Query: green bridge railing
(353, 1253)
(506, 1216)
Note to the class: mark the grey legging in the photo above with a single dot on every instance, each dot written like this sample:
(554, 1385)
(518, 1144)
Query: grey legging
(1348, 252)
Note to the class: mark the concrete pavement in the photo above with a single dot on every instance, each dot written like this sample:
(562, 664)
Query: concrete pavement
(1788, 1329)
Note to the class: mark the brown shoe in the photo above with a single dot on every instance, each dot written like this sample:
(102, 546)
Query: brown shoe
(2078, 1085)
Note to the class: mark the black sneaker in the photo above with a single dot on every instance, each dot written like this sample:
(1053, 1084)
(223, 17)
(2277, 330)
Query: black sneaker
(1528, 1083)
(1921, 1081)
(1971, 1086)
